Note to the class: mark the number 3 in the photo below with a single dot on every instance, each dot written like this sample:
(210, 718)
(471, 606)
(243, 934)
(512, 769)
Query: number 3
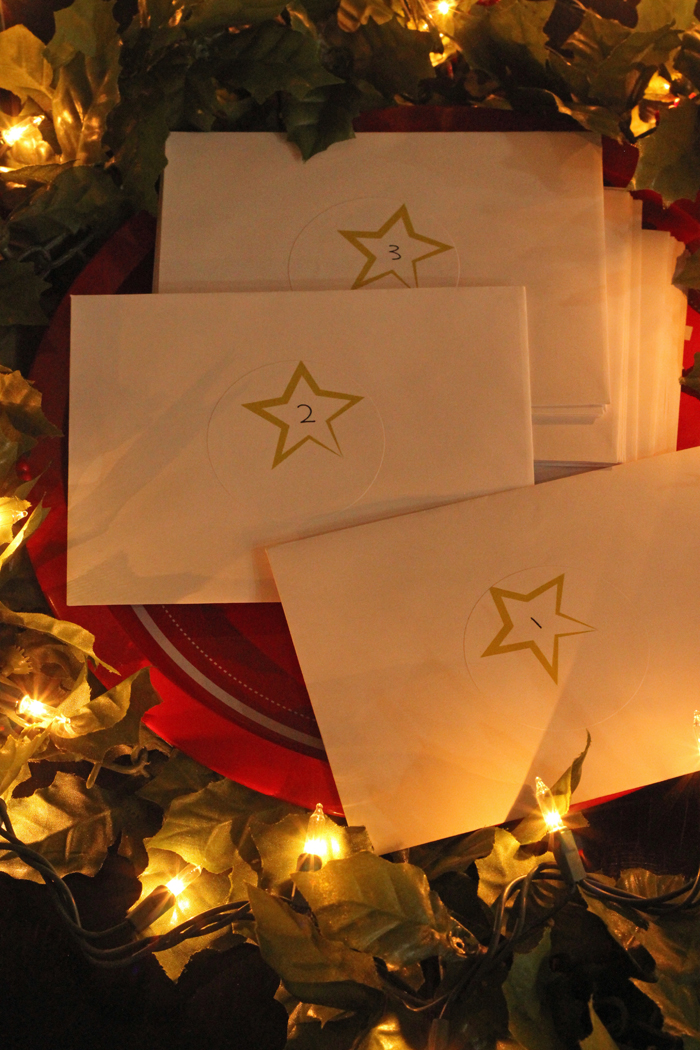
(394, 248)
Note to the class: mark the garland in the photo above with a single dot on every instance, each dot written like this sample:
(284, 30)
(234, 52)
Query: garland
(373, 951)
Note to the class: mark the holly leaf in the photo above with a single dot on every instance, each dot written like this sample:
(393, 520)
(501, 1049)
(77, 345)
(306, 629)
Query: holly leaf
(108, 724)
(21, 401)
(374, 906)
(669, 160)
(271, 58)
(180, 775)
(651, 14)
(15, 752)
(210, 826)
(20, 293)
(23, 68)
(87, 87)
(530, 1022)
(621, 78)
(505, 862)
(393, 59)
(600, 1038)
(688, 276)
(84, 27)
(436, 858)
(507, 39)
(209, 15)
(12, 510)
(70, 825)
(30, 526)
(78, 198)
(69, 633)
(136, 133)
(533, 828)
(325, 115)
(313, 968)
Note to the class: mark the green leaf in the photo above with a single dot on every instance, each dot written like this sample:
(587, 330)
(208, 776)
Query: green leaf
(70, 825)
(507, 861)
(137, 130)
(20, 294)
(530, 1021)
(273, 58)
(79, 198)
(69, 633)
(669, 159)
(180, 775)
(479, 1019)
(437, 858)
(23, 69)
(15, 752)
(86, 26)
(21, 401)
(651, 14)
(304, 958)
(506, 39)
(533, 828)
(374, 906)
(393, 59)
(325, 116)
(209, 15)
(209, 827)
(689, 277)
(87, 87)
(621, 79)
(600, 1038)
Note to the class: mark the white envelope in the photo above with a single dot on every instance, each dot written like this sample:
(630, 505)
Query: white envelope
(242, 212)
(203, 427)
(453, 655)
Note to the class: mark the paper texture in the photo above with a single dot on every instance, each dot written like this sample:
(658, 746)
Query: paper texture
(453, 655)
(242, 212)
(203, 427)
(603, 440)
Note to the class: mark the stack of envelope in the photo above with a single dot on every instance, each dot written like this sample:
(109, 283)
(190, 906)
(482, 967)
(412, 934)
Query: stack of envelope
(391, 334)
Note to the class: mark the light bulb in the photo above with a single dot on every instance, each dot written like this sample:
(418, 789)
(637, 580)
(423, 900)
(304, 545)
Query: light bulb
(444, 7)
(317, 834)
(30, 708)
(183, 879)
(548, 806)
(24, 130)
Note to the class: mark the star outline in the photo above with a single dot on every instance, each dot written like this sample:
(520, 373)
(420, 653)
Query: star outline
(496, 648)
(259, 408)
(401, 214)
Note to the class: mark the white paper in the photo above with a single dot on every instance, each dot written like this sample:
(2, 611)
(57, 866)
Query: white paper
(241, 211)
(435, 716)
(203, 427)
(603, 440)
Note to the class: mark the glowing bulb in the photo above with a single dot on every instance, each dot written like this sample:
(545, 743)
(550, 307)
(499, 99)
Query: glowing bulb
(184, 879)
(548, 806)
(444, 7)
(29, 708)
(24, 130)
(696, 727)
(317, 834)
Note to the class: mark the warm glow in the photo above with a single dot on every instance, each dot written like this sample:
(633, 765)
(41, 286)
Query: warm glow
(696, 727)
(26, 129)
(548, 806)
(184, 879)
(444, 7)
(29, 708)
(317, 834)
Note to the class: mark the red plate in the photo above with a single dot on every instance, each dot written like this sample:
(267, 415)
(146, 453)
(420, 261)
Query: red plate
(233, 694)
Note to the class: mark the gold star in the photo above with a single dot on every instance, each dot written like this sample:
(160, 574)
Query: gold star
(300, 417)
(550, 633)
(402, 261)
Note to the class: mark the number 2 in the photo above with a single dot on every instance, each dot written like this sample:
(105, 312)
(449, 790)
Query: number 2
(306, 419)
(394, 248)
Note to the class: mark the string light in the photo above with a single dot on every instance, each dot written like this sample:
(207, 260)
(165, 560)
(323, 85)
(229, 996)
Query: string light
(548, 806)
(26, 130)
(34, 709)
(444, 7)
(183, 879)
